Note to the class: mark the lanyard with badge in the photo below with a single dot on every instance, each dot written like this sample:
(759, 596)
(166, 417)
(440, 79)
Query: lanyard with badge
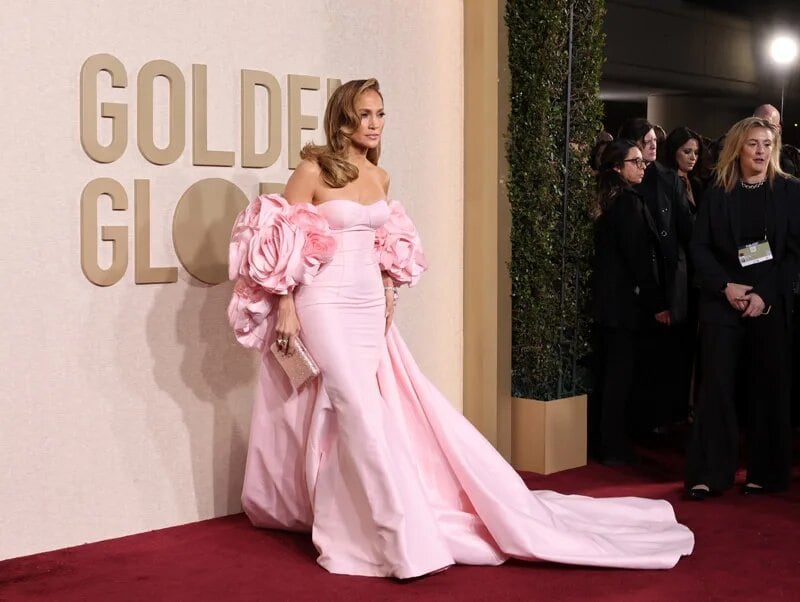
(756, 252)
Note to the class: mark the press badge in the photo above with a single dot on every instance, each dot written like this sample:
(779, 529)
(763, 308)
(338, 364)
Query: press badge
(754, 253)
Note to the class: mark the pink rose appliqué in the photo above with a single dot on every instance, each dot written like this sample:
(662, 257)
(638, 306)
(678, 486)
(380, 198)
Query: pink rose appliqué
(244, 228)
(319, 245)
(275, 254)
(400, 248)
(277, 245)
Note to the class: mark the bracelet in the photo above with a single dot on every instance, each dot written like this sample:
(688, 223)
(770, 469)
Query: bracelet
(394, 290)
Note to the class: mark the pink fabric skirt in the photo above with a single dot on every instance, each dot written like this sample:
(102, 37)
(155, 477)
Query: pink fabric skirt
(390, 479)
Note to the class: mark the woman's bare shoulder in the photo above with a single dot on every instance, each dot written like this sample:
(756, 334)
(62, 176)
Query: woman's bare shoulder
(383, 178)
(303, 183)
(307, 168)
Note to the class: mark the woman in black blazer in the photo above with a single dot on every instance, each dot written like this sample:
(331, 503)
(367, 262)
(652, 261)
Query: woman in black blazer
(626, 289)
(659, 379)
(685, 152)
(745, 250)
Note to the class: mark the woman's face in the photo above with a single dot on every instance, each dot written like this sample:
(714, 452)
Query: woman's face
(369, 107)
(686, 156)
(649, 146)
(632, 168)
(755, 152)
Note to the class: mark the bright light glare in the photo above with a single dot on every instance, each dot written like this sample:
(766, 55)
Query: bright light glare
(783, 50)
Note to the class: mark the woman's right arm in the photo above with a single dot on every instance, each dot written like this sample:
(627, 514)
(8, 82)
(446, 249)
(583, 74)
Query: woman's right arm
(300, 188)
(287, 325)
(713, 276)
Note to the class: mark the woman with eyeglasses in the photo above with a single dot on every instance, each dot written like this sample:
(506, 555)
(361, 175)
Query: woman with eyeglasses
(745, 249)
(665, 197)
(626, 291)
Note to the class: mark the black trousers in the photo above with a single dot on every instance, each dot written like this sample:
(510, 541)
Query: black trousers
(615, 370)
(796, 363)
(663, 373)
(760, 347)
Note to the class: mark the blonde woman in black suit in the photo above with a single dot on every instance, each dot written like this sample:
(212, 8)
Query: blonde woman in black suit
(745, 249)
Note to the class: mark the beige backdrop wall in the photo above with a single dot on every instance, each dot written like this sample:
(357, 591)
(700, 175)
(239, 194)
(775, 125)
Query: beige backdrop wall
(126, 408)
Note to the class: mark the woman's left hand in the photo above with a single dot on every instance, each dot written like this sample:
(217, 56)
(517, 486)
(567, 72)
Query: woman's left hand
(390, 292)
(389, 307)
(755, 306)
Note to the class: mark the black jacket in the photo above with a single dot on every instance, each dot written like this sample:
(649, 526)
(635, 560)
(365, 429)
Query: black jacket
(665, 197)
(625, 282)
(787, 164)
(715, 245)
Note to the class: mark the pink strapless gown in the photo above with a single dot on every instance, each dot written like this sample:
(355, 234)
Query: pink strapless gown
(389, 478)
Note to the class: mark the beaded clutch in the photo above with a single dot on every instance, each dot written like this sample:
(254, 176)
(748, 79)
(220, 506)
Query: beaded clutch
(300, 367)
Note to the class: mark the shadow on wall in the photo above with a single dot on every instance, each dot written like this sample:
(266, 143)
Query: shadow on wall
(199, 376)
(212, 365)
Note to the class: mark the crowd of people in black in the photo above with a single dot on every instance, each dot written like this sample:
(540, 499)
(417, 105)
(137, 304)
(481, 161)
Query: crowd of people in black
(695, 284)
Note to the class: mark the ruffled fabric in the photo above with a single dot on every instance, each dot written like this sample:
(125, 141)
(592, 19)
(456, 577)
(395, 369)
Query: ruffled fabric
(399, 247)
(274, 247)
(247, 313)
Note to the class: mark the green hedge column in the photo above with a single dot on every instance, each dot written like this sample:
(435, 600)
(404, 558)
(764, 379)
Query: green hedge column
(550, 323)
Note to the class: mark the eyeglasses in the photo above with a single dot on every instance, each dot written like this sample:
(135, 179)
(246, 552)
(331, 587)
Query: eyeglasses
(638, 162)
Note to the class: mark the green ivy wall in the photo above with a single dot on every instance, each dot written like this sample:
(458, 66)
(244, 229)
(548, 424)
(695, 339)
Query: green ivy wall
(550, 340)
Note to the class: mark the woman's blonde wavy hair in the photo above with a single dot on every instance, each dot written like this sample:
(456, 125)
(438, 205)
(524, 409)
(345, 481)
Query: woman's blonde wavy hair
(341, 121)
(727, 172)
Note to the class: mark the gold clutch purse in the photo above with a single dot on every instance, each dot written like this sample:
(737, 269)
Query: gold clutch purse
(300, 367)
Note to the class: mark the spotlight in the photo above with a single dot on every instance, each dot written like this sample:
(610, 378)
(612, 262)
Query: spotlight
(783, 49)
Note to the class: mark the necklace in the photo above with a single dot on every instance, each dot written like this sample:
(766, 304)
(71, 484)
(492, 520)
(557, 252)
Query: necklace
(753, 186)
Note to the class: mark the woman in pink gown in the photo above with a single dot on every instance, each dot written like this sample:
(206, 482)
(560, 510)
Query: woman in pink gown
(370, 458)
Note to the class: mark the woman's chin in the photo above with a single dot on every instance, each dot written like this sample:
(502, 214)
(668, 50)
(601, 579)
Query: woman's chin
(366, 144)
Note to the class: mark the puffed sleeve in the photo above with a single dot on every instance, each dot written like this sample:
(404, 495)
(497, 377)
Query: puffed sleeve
(247, 313)
(274, 247)
(399, 248)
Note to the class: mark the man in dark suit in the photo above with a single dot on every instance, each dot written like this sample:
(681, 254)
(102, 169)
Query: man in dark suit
(661, 396)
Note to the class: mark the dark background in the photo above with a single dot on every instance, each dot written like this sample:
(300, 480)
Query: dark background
(714, 51)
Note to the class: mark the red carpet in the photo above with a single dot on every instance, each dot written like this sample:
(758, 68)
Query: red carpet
(748, 548)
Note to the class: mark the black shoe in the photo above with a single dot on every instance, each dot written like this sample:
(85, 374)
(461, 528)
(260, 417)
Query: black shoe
(699, 494)
(753, 489)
